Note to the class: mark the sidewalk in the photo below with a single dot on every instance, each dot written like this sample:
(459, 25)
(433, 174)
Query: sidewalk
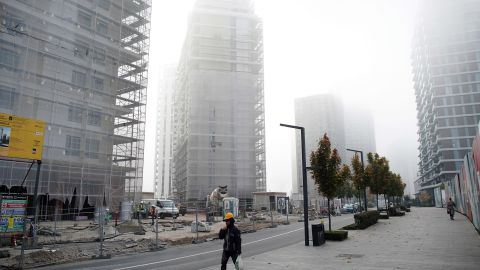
(423, 239)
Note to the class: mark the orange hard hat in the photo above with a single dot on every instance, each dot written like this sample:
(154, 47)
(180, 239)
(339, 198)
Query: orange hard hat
(228, 216)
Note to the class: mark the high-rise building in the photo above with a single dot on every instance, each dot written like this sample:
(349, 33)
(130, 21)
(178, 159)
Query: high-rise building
(163, 137)
(80, 66)
(318, 114)
(347, 126)
(446, 75)
(359, 130)
(219, 105)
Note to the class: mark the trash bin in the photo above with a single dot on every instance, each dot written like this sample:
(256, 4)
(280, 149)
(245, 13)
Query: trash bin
(318, 234)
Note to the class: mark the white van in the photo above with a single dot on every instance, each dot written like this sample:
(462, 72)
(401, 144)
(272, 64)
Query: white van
(163, 207)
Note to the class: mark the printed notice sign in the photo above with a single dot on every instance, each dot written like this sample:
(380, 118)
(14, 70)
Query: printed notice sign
(21, 137)
(13, 209)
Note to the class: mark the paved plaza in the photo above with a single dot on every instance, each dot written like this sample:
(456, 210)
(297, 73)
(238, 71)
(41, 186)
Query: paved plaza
(423, 239)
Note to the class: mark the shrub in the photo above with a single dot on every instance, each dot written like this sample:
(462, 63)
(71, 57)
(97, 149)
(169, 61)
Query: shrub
(395, 211)
(336, 235)
(366, 219)
(350, 227)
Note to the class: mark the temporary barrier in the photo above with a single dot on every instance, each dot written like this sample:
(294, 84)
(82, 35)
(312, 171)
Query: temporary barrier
(464, 189)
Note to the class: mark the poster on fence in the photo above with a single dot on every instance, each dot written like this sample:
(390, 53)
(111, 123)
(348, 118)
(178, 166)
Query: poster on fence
(21, 137)
(13, 210)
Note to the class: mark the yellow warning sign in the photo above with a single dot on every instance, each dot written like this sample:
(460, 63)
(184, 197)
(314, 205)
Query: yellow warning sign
(21, 137)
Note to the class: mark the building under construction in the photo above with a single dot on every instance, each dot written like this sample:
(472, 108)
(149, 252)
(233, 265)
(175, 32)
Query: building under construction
(219, 129)
(80, 66)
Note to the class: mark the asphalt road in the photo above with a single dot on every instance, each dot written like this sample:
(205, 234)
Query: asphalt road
(206, 254)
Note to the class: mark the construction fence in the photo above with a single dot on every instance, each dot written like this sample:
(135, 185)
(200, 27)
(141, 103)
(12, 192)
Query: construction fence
(34, 242)
(464, 189)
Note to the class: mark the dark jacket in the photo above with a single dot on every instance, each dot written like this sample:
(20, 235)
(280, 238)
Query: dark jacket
(232, 241)
(450, 205)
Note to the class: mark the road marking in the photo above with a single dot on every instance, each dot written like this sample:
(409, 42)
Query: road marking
(203, 253)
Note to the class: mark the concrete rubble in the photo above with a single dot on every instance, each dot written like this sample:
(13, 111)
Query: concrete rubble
(79, 240)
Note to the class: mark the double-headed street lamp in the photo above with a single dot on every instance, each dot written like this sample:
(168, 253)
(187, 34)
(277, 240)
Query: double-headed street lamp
(363, 168)
(305, 190)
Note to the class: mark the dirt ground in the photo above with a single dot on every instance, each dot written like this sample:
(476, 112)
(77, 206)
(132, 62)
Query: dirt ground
(69, 241)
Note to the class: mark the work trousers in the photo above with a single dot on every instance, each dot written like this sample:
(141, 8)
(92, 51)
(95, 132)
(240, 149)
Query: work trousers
(225, 256)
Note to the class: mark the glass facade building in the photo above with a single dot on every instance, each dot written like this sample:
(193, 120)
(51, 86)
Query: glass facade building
(219, 129)
(446, 75)
(80, 66)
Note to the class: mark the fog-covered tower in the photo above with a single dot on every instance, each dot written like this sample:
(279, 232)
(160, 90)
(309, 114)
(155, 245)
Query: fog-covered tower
(164, 135)
(446, 75)
(219, 105)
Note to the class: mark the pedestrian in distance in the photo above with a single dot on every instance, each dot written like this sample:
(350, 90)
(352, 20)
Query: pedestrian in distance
(451, 208)
(152, 213)
(232, 241)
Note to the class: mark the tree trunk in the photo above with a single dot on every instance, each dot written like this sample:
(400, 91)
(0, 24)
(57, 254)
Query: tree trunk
(385, 199)
(377, 201)
(329, 216)
(366, 199)
(359, 198)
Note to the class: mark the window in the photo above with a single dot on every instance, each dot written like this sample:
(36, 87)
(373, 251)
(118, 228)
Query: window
(94, 118)
(97, 83)
(92, 147)
(99, 56)
(8, 58)
(72, 146)
(79, 78)
(80, 50)
(75, 114)
(468, 109)
(105, 4)
(102, 27)
(84, 19)
(7, 97)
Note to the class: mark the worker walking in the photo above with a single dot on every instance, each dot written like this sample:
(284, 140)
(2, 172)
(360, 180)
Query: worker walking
(153, 214)
(232, 241)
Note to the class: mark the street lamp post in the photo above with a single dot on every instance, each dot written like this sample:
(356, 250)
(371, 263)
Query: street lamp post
(363, 167)
(305, 190)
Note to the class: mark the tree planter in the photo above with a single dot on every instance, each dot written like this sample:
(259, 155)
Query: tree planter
(366, 219)
(336, 235)
(350, 227)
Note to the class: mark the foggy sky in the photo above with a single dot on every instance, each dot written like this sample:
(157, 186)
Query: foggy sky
(359, 48)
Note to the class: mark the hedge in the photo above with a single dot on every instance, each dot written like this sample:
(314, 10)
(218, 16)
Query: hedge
(366, 219)
(350, 227)
(336, 235)
(394, 211)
